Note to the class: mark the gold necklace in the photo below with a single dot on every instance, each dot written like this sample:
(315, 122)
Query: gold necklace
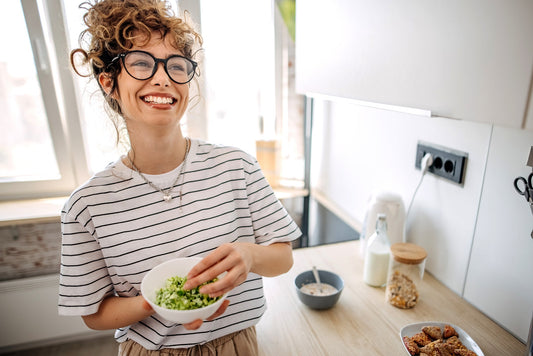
(166, 192)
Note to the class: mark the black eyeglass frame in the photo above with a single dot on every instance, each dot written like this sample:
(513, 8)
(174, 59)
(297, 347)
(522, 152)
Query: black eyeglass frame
(122, 56)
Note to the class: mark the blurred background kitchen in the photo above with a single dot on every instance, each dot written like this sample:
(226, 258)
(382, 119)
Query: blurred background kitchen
(333, 98)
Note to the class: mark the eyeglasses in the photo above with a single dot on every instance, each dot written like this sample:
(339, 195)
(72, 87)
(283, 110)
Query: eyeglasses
(142, 65)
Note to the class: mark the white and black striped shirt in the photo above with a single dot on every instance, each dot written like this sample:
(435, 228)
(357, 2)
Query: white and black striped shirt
(116, 228)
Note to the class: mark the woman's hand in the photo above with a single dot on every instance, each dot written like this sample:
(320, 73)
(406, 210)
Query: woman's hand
(198, 322)
(235, 259)
(238, 259)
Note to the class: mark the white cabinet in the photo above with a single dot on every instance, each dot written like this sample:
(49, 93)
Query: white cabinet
(462, 59)
(499, 279)
(30, 318)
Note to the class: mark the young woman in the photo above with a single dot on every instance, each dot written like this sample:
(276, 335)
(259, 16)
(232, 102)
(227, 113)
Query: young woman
(169, 196)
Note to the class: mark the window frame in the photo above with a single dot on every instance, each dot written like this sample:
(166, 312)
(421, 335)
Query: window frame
(46, 29)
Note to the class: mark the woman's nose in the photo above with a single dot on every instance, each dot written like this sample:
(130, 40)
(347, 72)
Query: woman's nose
(160, 76)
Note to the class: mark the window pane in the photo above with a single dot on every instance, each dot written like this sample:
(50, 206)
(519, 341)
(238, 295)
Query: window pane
(98, 130)
(26, 150)
(240, 84)
(250, 92)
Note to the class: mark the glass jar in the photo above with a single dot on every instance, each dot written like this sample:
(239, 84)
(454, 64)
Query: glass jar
(406, 270)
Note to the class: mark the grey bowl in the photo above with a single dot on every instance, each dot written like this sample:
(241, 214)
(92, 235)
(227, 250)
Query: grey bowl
(316, 301)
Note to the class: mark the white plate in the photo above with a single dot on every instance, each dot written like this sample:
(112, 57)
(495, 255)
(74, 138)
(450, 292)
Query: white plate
(412, 329)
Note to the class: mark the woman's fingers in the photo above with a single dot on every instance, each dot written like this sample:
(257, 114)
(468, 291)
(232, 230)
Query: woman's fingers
(226, 258)
(202, 278)
(206, 263)
(146, 305)
(207, 269)
(198, 322)
(193, 325)
(220, 310)
(233, 278)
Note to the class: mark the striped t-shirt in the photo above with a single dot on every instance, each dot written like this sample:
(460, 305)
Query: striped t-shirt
(116, 228)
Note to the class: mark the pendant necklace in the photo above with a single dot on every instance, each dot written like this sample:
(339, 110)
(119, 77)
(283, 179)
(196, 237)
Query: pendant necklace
(166, 192)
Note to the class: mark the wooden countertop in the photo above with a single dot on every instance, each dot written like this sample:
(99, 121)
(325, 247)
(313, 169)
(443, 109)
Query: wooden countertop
(362, 322)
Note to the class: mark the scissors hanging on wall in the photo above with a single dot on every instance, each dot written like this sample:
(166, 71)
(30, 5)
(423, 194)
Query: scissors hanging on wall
(524, 187)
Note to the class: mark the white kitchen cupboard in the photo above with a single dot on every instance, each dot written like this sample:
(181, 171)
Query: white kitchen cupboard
(30, 318)
(462, 59)
(499, 278)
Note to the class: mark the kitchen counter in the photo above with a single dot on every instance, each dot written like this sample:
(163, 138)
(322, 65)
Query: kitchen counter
(362, 322)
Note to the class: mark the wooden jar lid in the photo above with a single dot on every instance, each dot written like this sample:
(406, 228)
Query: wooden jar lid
(408, 253)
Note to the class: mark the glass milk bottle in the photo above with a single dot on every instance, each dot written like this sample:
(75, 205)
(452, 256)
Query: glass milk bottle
(377, 255)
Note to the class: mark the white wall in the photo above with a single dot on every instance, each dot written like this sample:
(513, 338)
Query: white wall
(358, 149)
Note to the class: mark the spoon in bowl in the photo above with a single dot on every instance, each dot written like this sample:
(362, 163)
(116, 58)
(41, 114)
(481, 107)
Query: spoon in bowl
(317, 279)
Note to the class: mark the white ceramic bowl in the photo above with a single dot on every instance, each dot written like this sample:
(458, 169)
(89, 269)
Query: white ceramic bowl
(155, 280)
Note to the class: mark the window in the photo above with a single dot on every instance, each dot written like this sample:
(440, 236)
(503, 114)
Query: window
(26, 144)
(34, 158)
(55, 132)
(249, 80)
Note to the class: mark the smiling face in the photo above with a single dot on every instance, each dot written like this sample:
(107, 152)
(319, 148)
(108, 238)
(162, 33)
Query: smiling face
(158, 101)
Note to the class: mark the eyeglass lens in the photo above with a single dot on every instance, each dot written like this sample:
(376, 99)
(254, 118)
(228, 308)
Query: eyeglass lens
(142, 66)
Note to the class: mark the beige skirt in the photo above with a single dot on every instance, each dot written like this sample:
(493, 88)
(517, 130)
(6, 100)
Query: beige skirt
(242, 342)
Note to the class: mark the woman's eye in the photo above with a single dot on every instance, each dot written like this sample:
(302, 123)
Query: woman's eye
(141, 64)
(176, 68)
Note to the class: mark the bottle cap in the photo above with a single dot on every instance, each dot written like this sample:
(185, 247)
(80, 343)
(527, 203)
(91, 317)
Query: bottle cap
(408, 253)
(381, 222)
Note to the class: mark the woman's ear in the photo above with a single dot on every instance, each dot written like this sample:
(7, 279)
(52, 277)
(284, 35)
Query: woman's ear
(106, 82)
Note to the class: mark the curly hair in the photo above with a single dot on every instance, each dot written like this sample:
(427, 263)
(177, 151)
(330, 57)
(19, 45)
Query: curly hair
(114, 26)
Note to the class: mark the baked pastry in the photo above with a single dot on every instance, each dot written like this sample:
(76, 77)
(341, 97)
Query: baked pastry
(410, 345)
(401, 291)
(449, 331)
(434, 341)
(434, 332)
(455, 343)
(437, 348)
(431, 347)
(422, 339)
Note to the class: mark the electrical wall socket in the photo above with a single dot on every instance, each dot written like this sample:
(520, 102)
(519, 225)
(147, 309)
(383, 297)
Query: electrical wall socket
(447, 163)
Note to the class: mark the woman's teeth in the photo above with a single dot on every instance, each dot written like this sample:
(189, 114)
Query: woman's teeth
(158, 99)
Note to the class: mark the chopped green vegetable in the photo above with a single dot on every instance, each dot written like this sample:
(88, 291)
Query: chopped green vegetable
(173, 296)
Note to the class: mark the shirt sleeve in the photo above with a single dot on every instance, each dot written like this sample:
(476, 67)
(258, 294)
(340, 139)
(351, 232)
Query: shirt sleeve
(84, 278)
(271, 221)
